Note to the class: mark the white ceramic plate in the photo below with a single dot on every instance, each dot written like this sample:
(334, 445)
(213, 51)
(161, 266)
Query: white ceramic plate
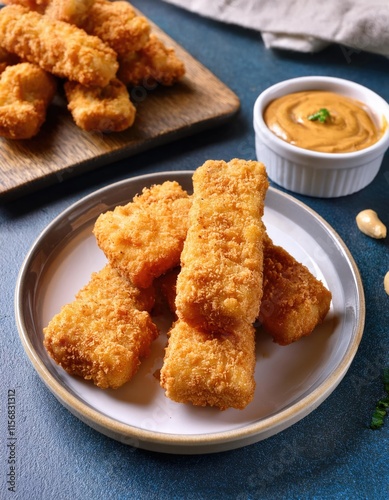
(291, 381)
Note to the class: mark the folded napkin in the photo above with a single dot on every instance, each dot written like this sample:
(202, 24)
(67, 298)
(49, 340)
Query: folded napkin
(305, 25)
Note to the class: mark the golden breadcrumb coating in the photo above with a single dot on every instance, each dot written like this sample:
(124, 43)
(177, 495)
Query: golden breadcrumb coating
(144, 238)
(36, 5)
(205, 369)
(220, 283)
(118, 25)
(71, 11)
(294, 302)
(153, 63)
(106, 109)
(25, 93)
(102, 335)
(57, 47)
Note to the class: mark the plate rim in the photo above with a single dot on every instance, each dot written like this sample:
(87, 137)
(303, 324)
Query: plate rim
(188, 443)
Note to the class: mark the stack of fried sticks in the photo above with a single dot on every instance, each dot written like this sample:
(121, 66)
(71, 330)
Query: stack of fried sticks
(210, 256)
(96, 48)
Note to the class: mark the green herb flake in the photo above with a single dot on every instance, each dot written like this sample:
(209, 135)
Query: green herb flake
(322, 115)
(382, 406)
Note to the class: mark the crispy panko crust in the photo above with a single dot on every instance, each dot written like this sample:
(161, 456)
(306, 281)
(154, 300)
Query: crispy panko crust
(25, 93)
(205, 369)
(57, 47)
(153, 63)
(144, 238)
(35, 5)
(220, 283)
(71, 11)
(106, 109)
(118, 25)
(294, 302)
(102, 335)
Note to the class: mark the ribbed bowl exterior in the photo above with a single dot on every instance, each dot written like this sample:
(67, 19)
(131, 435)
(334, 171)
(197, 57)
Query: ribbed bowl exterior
(315, 181)
(324, 175)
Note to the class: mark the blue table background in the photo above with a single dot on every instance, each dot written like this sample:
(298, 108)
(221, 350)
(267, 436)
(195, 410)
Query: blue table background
(329, 454)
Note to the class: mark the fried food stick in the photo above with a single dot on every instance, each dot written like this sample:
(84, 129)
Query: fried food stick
(71, 11)
(103, 335)
(220, 283)
(25, 93)
(57, 47)
(106, 109)
(294, 302)
(35, 5)
(153, 63)
(206, 369)
(117, 24)
(144, 238)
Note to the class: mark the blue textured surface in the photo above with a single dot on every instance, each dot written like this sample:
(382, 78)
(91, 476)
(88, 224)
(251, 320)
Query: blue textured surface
(329, 454)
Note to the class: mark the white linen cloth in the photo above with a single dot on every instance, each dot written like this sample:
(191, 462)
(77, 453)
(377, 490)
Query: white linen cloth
(305, 25)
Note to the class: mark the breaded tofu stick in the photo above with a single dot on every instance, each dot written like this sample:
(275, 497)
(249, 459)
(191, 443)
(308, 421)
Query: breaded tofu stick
(105, 109)
(294, 302)
(118, 25)
(25, 93)
(220, 283)
(205, 369)
(57, 47)
(103, 335)
(71, 11)
(153, 63)
(36, 5)
(144, 238)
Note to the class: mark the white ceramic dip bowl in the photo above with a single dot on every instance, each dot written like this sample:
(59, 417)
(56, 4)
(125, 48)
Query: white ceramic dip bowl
(313, 173)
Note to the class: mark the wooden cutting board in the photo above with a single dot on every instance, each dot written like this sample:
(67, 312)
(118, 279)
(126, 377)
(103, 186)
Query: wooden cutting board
(62, 150)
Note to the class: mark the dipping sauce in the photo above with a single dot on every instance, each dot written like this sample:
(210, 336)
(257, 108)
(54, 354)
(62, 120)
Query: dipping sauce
(348, 126)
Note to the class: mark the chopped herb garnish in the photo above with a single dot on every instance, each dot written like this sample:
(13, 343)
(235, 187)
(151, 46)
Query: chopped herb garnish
(382, 406)
(322, 115)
